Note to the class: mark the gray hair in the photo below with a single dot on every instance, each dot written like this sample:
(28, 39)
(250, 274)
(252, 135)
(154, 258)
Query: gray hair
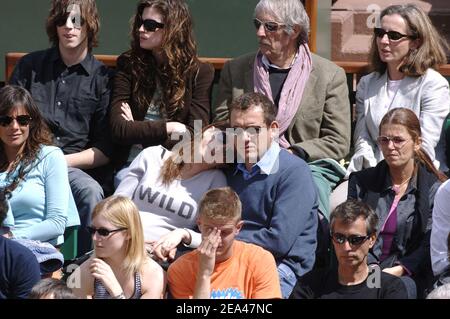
(442, 292)
(289, 13)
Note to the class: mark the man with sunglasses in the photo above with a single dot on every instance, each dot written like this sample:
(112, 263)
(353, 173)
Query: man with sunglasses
(72, 91)
(353, 233)
(310, 92)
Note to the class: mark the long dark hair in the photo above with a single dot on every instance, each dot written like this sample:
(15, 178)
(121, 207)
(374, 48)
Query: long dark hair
(179, 48)
(12, 97)
(408, 119)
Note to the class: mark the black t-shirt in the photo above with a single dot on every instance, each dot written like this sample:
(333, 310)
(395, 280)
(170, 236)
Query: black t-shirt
(322, 284)
(277, 77)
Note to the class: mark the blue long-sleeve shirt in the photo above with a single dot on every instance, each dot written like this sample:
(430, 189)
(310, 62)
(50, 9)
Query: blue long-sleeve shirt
(42, 202)
(279, 208)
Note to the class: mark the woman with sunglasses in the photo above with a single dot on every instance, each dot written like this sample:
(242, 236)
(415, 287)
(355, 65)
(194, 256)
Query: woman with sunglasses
(167, 186)
(406, 51)
(120, 268)
(33, 173)
(160, 87)
(401, 190)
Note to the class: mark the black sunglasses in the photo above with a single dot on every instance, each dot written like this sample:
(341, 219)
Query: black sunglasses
(269, 26)
(103, 231)
(353, 240)
(62, 20)
(392, 35)
(151, 25)
(23, 120)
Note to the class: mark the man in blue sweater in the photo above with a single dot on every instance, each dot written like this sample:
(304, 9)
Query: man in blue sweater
(279, 199)
(19, 268)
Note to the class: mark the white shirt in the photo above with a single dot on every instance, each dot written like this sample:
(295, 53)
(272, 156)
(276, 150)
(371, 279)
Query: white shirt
(165, 208)
(440, 229)
(391, 91)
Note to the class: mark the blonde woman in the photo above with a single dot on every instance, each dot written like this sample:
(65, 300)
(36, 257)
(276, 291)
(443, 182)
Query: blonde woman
(120, 267)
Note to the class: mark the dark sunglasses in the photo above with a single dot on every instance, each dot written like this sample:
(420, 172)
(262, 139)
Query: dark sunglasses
(103, 231)
(269, 26)
(62, 20)
(353, 240)
(151, 25)
(392, 35)
(23, 120)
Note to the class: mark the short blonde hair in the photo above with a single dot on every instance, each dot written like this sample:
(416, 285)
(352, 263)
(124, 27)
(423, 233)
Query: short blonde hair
(220, 204)
(122, 212)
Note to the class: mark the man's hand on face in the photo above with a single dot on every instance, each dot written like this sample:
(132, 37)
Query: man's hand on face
(207, 251)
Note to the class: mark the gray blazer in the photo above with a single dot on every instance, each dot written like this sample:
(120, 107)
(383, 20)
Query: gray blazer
(321, 126)
(428, 96)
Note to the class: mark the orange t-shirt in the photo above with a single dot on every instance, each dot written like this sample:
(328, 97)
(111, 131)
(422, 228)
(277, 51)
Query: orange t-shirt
(250, 273)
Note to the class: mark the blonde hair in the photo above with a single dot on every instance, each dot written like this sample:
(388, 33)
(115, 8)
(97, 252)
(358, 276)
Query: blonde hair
(220, 204)
(173, 165)
(122, 212)
(429, 54)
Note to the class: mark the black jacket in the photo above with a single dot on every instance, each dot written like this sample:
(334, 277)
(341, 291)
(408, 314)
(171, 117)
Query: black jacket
(411, 244)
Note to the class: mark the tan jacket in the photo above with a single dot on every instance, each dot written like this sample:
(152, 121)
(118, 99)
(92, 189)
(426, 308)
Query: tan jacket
(322, 125)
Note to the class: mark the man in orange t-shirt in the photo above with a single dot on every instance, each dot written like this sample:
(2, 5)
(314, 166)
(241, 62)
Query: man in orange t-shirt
(222, 267)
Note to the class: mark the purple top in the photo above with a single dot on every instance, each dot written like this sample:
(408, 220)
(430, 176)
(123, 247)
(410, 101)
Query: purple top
(388, 230)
